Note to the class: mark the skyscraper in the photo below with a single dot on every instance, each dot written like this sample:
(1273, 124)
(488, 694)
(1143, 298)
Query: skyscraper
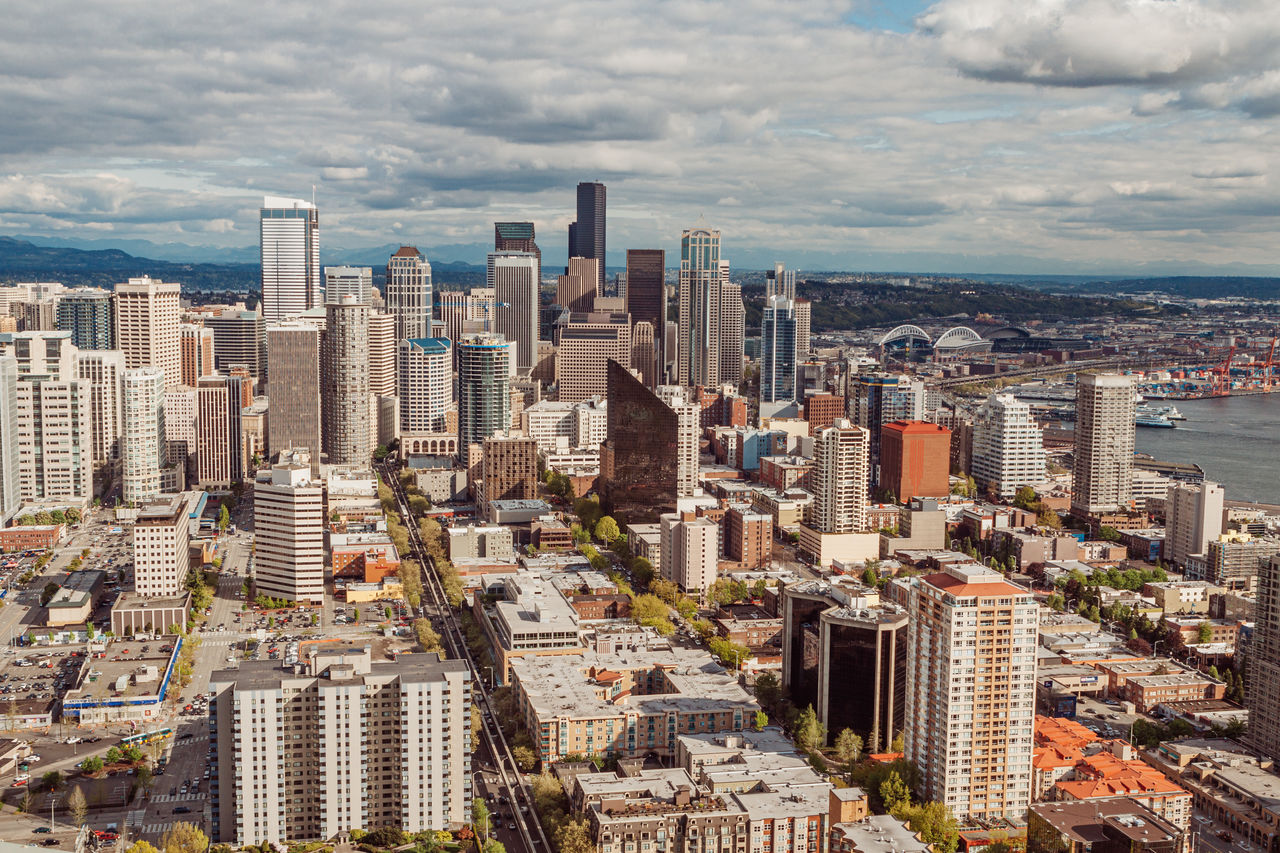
(971, 691)
(294, 390)
(840, 476)
(161, 547)
(587, 234)
(148, 313)
(647, 291)
(484, 388)
(1193, 518)
(778, 351)
(288, 533)
(644, 353)
(88, 313)
(698, 350)
(1262, 695)
(289, 239)
(426, 384)
(577, 289)
(780, 281)
(239, 338)
(348, 281)
(585, 344)
(214, 438)
(514, 279)
(10, 461)
(1008, 447)
(517, 237)
(639, 460)
(732, 329)
(345, 427)
(382, 354)
(196, 346)
(1102, 470)
(103, 370)
(876, 399)
(408, 293)
(143, 444)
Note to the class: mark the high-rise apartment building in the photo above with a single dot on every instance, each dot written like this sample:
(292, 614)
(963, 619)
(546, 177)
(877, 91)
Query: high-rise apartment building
(346, 429)
(289, 240)
(144, 434)
(509, 471)
(382, 355)
(356, 282)
(690, 551)
(1262, 693)
(688, 431)
(196, 347)
(804, 323)
(1008, 447)
(180, 405)
(915, 460)
(514, 279)
(876, 399)
(214, 437)
(578, 288)
(585, 344)
(840, 478)
(517, 237)
(239, 338)
(338, 742)
(698, 349)
(732, 329)
(1193, 519)
(88, 313)
(161, 547)
(103, 370)
(10, 461)
(288, 533)
(647, 292)
(148, 313)
(484, 388)
(587, 234)
(778, 351)
(780, 281)
(408, 293)
(1102, 469)
(971, 691)
(294, 389)
(426, 384)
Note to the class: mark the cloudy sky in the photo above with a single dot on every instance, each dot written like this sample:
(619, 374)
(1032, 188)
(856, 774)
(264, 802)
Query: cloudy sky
(968, 135)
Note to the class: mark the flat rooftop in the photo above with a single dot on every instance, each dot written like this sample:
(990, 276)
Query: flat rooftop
(881, 834)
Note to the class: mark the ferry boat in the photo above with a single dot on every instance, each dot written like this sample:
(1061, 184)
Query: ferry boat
(1147, 416)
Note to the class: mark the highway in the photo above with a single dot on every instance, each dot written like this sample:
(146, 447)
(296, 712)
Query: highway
(504, 773)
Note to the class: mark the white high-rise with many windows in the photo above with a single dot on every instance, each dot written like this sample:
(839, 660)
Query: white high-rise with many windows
(148, 317)
(1008, 446)
(971, 691)
(288, 528)
(840, 478)
(104, 370)
(408, 293)
(144, 434)
(698, 350)
(514, 279)
(1102, 470)
(289, 240)
(426, 384)
(161, 547)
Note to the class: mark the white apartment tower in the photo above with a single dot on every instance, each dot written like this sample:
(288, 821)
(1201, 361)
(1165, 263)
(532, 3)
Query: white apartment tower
(347, 430)
(289, 241)
(971, 691)
(148, 314)
(10, 462)
(732, 329)
(841, 477)
(690, 550)
(514, 279)
(288, 522)
(408, 293)
(104, 371)
(688, 429)
(161, 547)
(484, 388)
(1102, 472)
(1008, 446)
(144, 434)
(376, 743)
(426, 384)
(1193, 519)
(698, 350)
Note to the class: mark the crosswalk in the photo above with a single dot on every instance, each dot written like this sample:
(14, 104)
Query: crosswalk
(177, 798)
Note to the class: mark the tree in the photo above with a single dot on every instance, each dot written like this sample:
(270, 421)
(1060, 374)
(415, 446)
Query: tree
(642, 571)
(729, 651)
(1026, 498)
(809, 731)
(93, 764)
(933, 822)
(428, 637)
(894, 792)
(607, 529)
(525, 758)
(141, 847)
(768, 691)
(899, 743)
(77, 805)
(1204, 632)
(184, 837)
(480, 816)
(51, 781)
(384, 837)
(73, 516)
(648, 606)
(761, 720)
(224, 517)
(574, 836)
(665, 589)
(848, 747)
(493, 845)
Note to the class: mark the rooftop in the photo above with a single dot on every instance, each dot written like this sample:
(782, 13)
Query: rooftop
(880, 834)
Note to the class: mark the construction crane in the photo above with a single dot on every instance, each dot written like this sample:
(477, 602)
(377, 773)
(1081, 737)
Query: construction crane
(1268, 364)
(1220, 381)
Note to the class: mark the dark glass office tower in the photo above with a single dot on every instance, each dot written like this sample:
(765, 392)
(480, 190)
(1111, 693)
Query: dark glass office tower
(639, 458)
(646, 288)
(586, 236)
(516, 237)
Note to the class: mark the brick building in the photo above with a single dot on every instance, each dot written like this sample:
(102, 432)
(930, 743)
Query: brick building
(915, 459)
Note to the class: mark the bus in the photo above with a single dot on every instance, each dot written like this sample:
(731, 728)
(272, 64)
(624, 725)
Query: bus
(146, 737)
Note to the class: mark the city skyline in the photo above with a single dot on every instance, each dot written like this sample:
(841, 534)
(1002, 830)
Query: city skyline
(947, 136)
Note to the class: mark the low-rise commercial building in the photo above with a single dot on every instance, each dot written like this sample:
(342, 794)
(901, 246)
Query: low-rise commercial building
(1118, 824)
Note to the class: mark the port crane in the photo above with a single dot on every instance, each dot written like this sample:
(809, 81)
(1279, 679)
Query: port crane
(1220, 377)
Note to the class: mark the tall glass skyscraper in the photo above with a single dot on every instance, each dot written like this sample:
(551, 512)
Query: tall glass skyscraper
(587, 234)
(88, 313)
(289, 237)
(778, 351)
(484, 388)
(408, 293)
(698, 351)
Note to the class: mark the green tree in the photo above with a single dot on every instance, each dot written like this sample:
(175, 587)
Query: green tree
(428, 637)
(184, 837)
(729, 651)
(480, 817)
(642, 571)
(899, 743)
(607, 529)
(933, 822)
(809, 731)
(848, 747)
(114, 756)
(665, 590)
(385, 837)
(1204, 632)
(761, 720)
(894, 792)
(525, 758)
(224, 518)
(574, 836)
(93, 764)
(51, 781)
(648, 606)
(1026, 498)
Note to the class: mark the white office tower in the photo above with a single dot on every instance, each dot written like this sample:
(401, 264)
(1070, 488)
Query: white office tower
(841, 475)
(148, 316)
(288, 532)
(514, 279)
(408, 293)
(698, 351)
(356, 282)
(1008, 446)
(144, 434)
(688, 430)
(971, 691)
(690, 550)
(732, 329)
(289, 239)
(484, 388)
(382, 354)
(1102, 471)
(104, 371)
(55, 429)
(426, 384)
(10, 479)
(380, 743)
(346, 430)
(162, 547)
(1193, 518)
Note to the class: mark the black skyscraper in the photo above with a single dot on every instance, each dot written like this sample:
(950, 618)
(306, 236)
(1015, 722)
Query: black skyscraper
(638, 460)
(586, 236)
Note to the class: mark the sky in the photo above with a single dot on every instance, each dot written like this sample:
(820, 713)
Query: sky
(1036, 136)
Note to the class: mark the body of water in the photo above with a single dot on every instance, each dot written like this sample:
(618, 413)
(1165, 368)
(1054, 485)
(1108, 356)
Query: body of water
(1236, 440)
